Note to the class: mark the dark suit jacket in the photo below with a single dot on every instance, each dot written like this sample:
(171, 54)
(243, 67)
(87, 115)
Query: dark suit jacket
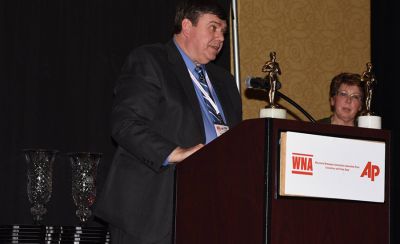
(155, 110)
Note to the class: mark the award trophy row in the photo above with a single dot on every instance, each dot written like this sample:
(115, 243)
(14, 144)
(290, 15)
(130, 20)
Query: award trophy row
(40, 180)
(367, 119)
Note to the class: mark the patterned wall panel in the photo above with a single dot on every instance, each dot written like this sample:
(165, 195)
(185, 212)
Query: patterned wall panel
(314, 40)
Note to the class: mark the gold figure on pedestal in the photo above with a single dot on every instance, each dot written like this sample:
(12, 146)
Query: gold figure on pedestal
(272, 70)
(369, 78)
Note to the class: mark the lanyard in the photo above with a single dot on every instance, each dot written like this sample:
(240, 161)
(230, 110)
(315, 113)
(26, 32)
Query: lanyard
(205, 94)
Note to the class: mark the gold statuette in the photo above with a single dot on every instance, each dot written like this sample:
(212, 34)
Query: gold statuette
(368, 78)
(272, 70)
(368, 119)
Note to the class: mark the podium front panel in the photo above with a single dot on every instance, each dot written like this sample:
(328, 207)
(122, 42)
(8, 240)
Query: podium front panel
(228, 192)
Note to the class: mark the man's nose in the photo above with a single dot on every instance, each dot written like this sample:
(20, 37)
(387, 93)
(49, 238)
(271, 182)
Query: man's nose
(219, 35)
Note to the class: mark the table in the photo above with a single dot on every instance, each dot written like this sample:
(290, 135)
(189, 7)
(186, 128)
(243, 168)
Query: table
(53, 234)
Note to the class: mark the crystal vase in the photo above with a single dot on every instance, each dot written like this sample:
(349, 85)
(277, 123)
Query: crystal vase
(84, 170)
(40, 180)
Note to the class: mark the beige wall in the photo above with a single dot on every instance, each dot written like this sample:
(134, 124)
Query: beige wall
(314, 40)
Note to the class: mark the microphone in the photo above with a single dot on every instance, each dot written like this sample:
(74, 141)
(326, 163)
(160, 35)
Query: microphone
(260, 83)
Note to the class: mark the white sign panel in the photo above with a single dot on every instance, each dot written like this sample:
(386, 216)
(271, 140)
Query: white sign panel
(332, 167)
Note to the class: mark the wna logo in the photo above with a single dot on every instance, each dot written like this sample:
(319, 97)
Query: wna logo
(302, 164)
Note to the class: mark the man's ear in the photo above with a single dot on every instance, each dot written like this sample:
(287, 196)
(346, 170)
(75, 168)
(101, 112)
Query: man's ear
(186, 27)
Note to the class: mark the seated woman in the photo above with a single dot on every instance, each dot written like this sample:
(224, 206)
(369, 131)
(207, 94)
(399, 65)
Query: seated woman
(346, 96)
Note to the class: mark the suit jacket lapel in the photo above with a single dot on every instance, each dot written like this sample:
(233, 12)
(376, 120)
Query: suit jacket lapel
(180, 70)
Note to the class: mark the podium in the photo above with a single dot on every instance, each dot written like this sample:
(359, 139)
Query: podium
(228, 192)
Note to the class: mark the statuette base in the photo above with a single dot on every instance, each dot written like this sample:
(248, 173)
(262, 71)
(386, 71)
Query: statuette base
(370, 121)
(277, 113)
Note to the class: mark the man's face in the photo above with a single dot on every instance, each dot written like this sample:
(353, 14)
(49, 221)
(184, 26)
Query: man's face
(205, 39)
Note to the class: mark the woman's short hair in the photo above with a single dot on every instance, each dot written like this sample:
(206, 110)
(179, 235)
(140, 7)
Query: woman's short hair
(348, 79)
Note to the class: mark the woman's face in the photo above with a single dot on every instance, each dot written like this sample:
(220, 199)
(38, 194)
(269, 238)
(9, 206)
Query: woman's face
(347, 102)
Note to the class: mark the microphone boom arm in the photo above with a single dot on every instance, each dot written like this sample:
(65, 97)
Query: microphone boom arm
(280, 94)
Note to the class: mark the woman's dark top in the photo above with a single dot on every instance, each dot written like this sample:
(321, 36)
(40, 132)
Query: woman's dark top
(326, 120)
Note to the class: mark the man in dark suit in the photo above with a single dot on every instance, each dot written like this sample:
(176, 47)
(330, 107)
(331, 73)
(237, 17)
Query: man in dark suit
(169, 101)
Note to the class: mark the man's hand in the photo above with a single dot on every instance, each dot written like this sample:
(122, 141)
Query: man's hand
(179, 153)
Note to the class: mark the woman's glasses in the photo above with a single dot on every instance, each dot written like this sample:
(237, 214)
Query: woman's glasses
(353, 96)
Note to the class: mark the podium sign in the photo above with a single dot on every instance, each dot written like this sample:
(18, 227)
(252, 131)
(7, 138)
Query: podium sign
(332, 167)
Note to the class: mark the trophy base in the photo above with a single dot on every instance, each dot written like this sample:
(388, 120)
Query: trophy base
(369, 121)
(277, 113)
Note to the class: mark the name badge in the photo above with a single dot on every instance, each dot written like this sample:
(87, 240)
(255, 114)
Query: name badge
(221, 129)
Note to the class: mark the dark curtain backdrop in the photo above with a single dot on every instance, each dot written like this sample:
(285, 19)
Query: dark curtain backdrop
(385, 22)
(59, 61)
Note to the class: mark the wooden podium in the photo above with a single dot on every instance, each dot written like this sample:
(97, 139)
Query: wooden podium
(228, 193)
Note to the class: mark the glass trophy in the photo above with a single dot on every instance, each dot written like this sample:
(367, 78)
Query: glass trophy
(40, 180)
(84, 171)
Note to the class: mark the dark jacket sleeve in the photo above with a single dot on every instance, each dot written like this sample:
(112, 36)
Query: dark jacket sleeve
(138, 93)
